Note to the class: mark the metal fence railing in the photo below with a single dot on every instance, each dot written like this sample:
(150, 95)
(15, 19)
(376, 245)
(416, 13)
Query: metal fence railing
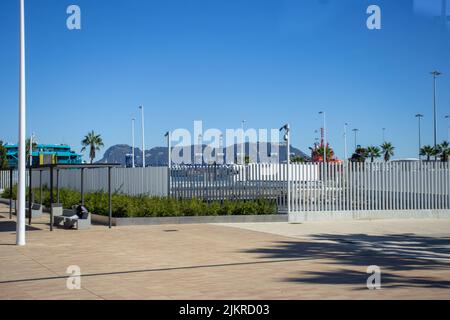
(312, 186)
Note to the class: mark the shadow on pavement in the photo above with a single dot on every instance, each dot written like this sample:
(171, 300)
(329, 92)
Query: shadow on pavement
(392, 253)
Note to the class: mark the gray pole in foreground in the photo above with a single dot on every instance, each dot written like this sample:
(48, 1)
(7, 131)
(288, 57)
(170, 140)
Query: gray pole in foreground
(435, 74)
(133, 164)
(20, 231)
(419, 117)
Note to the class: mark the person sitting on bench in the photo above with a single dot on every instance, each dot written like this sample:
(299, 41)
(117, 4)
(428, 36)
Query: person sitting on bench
(81, 212)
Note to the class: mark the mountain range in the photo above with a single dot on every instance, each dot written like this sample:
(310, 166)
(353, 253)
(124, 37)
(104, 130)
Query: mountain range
(158, 156)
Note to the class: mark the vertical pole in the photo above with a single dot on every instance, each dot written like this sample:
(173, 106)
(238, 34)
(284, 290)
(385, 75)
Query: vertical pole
(10, 192)
(133, 164)
(345, 142)
(243, 144)
(20, 231)
(420, 137)
(30, 194)
(143, 147)
(82, 186)
(434, 115)
(109, 197)
(40, 187)
(51, 198)
(169, 163)
(57, 186)
(288, 149)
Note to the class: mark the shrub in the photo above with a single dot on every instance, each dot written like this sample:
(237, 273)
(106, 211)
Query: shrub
(143, 206)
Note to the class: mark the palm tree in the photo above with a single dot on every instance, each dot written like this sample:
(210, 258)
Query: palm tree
(3, 158)
(428, 151)
(94, 142)
(388, 150)
(443, 151)
(373, 152)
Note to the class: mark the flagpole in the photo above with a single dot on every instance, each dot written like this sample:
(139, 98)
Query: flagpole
(20, 235)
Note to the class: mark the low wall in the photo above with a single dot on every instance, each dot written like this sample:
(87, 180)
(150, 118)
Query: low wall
(189, 220)
(301, 217)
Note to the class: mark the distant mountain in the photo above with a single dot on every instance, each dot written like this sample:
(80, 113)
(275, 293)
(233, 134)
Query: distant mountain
(158, 156)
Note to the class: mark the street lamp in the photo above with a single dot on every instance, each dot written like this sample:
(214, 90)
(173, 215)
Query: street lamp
(435, 74)
(133, 146)
(287, 139)
(356, 132)
(384, 135)
(448, 128)
(324, 136)
(345, 141)
(20, 226)
(419, 117)
(243, 143)
(143, 136)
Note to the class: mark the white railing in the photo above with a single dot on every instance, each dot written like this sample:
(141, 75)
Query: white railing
(373, 186)
(313, 186)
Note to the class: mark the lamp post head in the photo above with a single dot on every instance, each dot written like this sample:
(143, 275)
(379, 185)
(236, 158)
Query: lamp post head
(419, 115)
(436, 73)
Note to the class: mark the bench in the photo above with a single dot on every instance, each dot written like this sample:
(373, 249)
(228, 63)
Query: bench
(36, 211)
(69, 219)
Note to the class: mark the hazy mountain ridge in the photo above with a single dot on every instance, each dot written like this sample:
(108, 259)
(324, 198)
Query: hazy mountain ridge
(159, 155)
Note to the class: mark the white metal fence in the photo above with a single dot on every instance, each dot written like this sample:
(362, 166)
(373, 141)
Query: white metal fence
(149, 181)
(373, 186)
(313, 186)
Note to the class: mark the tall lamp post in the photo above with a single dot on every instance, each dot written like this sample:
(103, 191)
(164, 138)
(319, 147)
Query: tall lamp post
(419, 117)
(356, 132)
(133, 164)
(448, 128)
(345, 141)
(435, 74)
(143, 147)
(384, 135)
(169, 162)
(20, 226)
(324, 136)
(243, 142)
(287, 139)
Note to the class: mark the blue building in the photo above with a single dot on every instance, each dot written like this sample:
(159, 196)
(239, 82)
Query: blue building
(44, 154)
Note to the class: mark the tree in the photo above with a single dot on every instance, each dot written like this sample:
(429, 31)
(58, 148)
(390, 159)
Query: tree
(318, 153)
(94, 142)
(388, 151)
(359, 155)
(297, 159)
(3, 158)
(373, 152)
(443, 151)
(428, 151)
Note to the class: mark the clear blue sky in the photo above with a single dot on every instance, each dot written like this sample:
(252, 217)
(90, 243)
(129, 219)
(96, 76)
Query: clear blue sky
(220, 61)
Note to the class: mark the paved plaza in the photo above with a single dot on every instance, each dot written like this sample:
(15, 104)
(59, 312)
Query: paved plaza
(235, 261)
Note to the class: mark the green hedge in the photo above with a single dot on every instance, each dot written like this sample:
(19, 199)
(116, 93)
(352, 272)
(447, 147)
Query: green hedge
(143, 206)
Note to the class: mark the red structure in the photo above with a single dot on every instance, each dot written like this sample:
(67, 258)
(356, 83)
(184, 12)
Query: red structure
(317, 153)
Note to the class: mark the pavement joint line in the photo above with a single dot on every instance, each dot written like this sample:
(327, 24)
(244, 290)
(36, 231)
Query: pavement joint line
(158, 270)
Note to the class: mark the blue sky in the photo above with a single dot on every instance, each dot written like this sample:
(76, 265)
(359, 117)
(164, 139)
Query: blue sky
(220, 61)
